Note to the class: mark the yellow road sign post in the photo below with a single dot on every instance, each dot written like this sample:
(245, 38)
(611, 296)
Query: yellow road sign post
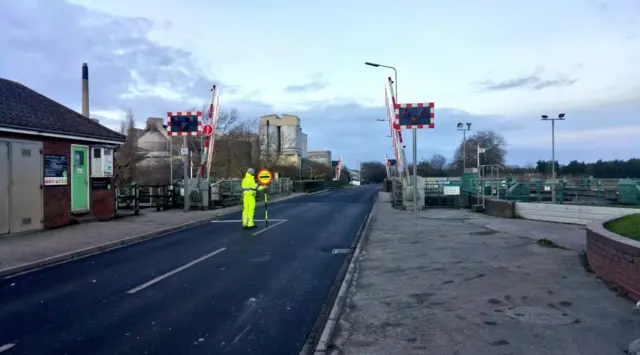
(264, 178)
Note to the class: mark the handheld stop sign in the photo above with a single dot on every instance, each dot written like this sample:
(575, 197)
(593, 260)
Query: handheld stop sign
(264, 178)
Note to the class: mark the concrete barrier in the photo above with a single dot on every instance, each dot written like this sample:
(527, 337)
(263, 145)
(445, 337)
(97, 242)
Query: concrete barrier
(500, 208)
(614, 258)
(573, 214)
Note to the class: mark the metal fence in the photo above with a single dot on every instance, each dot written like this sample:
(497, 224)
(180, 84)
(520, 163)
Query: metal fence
(577, 191)
(133, 197)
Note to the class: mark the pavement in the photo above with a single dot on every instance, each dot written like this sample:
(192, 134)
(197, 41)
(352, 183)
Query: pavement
(208, 289)
(453, 282)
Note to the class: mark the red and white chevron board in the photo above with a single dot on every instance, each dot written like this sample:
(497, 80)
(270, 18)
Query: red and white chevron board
(184, 113)
(431, 105)
(394, 123)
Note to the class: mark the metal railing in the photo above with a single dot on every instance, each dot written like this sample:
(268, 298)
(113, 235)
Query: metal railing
(223, 193)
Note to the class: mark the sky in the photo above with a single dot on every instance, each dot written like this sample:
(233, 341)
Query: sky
(498, 64)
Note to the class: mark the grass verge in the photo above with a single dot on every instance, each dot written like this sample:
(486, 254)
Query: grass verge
(628, 226)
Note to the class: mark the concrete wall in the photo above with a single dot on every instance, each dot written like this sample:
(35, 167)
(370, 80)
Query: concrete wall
(573, 214)
(500, 208)
(614, 258)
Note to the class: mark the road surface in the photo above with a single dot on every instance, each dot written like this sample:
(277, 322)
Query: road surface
(211, 289)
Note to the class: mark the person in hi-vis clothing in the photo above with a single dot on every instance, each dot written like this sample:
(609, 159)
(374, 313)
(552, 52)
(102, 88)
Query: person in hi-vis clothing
(249, 190)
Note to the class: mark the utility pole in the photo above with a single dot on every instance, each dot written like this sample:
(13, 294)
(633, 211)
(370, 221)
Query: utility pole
(267, 150)
(553, 149)
(185, 170)
(461, 127)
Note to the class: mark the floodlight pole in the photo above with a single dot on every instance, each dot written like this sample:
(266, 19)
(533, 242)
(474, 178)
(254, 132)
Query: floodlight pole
(553, 149)
(461, 127)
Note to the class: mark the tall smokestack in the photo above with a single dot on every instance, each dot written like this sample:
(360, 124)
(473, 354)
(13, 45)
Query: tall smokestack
(85, 89)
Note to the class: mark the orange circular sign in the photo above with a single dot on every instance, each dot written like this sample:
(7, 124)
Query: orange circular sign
(265, 176)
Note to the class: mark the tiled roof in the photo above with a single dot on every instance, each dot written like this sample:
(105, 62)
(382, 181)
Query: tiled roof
(25, 109)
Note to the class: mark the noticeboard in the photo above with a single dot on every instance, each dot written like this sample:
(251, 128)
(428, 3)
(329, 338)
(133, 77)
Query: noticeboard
(451, 190)
(55, 170)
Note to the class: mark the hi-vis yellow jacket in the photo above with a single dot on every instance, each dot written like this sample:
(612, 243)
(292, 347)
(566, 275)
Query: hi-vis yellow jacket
(249, 185)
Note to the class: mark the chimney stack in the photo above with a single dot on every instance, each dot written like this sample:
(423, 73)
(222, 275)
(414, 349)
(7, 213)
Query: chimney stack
(85, 90)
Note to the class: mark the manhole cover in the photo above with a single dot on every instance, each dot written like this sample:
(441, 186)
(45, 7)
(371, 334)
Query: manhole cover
(542, 315)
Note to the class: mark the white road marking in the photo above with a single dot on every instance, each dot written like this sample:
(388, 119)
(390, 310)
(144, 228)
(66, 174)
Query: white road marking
(242, 333)
(240, 221)
(174, 271)
(6, 347)
(270, 226)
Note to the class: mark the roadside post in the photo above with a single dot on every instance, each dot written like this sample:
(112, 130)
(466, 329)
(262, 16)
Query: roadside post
(264, 178)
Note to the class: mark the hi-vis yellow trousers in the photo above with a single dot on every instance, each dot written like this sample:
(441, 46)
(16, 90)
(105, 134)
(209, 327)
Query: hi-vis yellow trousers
(248, 208)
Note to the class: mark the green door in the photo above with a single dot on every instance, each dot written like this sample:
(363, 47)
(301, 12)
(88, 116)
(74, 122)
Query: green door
(79, 178)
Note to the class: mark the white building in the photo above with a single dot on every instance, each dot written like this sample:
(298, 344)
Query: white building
(286, 139)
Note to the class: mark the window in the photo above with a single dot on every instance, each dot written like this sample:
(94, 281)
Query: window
(78, 159)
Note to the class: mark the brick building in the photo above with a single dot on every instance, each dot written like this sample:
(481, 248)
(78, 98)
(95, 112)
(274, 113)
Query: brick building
(54, 162)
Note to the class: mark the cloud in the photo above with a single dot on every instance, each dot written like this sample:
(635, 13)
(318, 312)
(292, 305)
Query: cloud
(50, 39)
(315, 85)
(532, 82)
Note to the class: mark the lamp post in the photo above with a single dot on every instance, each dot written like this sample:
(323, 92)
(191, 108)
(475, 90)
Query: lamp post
(553, 148)
(414, 134)
(461, 127)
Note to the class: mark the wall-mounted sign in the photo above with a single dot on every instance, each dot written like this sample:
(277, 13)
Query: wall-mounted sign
(451, 190)
(55, 170)
(101, 183)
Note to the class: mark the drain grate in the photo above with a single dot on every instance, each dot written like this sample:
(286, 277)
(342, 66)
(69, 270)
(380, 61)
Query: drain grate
(542, 315)
(341, 251)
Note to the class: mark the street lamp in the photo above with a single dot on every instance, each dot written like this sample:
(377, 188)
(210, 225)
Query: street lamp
(376, 65)
(553, 148)
(461, 127)
(414, 134)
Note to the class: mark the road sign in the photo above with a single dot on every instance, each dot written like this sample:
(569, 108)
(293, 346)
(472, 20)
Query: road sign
(420, 115)
(184, 123)
(183, 151)
(265, 176)
(207, 129)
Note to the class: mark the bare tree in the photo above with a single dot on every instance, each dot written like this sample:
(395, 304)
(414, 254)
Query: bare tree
(319, 171)
(373, 171)
(126, 156)
(492, 142)
(227, 121)
(437, 162)
(127, 123)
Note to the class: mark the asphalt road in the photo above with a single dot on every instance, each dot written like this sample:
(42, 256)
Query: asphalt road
(211, 289)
